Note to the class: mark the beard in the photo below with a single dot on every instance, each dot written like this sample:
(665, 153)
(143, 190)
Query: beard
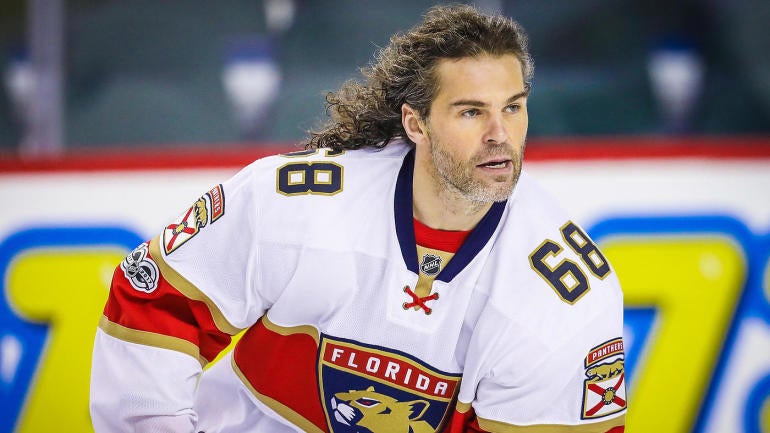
(461, 177)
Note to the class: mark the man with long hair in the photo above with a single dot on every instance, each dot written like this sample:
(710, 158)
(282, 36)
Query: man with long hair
(401, 274)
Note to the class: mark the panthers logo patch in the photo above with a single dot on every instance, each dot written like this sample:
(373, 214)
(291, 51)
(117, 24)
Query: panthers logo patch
(208, 208)
(375, 390)
(604, 390)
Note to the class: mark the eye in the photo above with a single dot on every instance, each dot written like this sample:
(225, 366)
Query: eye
(513, 108)
(473, 112)
(367, 402)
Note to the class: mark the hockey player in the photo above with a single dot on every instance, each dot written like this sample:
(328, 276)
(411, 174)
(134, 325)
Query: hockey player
(402, 274)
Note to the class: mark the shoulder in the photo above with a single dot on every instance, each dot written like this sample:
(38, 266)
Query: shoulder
(544, 267)
(535, 205)
(320, 171)
(295, 197)
(551, 299)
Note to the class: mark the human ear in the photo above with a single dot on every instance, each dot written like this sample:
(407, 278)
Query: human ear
(413, 125)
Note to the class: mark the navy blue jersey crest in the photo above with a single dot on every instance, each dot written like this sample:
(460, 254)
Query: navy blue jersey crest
(371, 389)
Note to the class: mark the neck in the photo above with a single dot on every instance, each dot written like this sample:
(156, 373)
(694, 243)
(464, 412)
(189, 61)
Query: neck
(441, 207)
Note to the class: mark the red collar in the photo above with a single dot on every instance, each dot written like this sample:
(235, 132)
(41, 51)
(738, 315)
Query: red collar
(444, 240)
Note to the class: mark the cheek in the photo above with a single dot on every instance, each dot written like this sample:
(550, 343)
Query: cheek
(462, 138)
(461, 146)
(518, 125)
(524, 123)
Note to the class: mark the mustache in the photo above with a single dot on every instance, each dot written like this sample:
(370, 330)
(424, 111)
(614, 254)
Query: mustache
(505, 151)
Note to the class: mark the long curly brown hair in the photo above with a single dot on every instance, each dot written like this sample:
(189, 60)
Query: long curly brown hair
(369, 113)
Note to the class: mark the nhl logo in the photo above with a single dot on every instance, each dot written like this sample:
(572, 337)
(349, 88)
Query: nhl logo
(430, 265)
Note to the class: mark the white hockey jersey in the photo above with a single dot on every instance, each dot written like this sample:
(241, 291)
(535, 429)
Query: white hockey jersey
(313, 254)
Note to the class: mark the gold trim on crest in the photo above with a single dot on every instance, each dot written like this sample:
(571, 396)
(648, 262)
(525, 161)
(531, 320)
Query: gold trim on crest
(456, 378)
(417, 364)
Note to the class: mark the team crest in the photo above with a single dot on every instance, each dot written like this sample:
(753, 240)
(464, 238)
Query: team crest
(197, 217)
(430, 264)
(371, 389)
(604, 390)
(140, 270)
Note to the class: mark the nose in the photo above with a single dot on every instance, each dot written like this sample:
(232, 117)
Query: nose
(496, 131)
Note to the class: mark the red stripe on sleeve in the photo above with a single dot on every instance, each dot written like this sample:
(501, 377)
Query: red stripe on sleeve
(164, 311)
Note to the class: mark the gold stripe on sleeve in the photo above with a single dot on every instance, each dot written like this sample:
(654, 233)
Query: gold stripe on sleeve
(151, 339)
(462, 407)
(302, 329)
(188, 289)
(596, 427)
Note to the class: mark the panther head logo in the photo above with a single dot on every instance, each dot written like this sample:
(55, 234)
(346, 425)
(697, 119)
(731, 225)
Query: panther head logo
(379, 413)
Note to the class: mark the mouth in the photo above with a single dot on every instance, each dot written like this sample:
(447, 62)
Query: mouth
(497, 164)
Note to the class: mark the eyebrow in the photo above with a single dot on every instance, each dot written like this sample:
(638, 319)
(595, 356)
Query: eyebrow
(476, 103)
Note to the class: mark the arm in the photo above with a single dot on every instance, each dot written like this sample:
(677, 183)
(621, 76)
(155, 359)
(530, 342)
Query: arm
(547, 395)
(174, 302)
(547, 353)
(577, 384)
(150, 348)
(138, 388)
(464, 420)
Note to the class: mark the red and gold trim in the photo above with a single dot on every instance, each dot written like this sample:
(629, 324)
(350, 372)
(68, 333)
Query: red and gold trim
(308, 330)
(614, 425)
(604, 351)
(217, 198)
(189, 290)
(280, 362)
(281, 409)
(462, 420)
(174, 315)
(151, 339)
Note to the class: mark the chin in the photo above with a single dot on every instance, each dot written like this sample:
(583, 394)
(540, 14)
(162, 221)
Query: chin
(491, 194)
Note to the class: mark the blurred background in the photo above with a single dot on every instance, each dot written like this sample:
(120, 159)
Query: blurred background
(649, 121)
(82, 74)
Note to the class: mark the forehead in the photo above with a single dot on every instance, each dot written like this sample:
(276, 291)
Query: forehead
(484, 76)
